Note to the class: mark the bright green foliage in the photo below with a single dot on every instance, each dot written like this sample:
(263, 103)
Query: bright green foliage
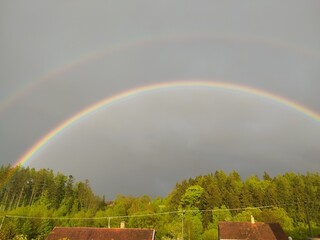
(245, 216)
(140, 204)
(20, 237)
(173, 229)
(193, 228)
(8, 230)
(44, 196)
(279, 215)
(144, 219)
(210, 234)
(221, 214)
(192, 198)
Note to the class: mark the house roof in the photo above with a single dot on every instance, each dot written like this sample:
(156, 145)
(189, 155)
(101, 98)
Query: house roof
(252, 231)
(88, 233)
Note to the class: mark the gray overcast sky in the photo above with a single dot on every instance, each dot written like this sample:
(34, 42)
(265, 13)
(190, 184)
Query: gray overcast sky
(59, 57)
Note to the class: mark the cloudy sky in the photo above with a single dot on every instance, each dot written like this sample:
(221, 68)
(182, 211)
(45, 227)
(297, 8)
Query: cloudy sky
(60, 57)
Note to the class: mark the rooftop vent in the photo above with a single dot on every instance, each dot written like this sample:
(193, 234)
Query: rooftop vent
(122, 224)
(252, 219)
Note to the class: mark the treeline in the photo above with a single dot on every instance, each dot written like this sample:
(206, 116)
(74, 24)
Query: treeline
(33, 201)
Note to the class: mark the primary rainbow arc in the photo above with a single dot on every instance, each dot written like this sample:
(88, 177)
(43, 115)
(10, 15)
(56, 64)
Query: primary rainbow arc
(219, 85)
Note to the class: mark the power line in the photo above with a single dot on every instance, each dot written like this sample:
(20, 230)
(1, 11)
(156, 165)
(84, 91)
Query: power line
(136, 215)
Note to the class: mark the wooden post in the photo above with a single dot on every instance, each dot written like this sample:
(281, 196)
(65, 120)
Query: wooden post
(307, 218)
(2, 221)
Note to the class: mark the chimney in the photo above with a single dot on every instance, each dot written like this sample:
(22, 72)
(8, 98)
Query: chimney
(122, 224)
(252, 219)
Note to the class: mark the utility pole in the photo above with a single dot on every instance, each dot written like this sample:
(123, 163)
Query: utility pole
(307, 218)
(2, 221)
(182, 227)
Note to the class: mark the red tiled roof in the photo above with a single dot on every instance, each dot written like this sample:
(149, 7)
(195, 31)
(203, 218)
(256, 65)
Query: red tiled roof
(252, 231)
(88, 233)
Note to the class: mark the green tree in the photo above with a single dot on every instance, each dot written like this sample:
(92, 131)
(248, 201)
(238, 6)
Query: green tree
(210, 234)
(193, 227)
(245, 216)
(20, 237)
(193, 198)
(278, 215)
(257, 189)
(221, 214)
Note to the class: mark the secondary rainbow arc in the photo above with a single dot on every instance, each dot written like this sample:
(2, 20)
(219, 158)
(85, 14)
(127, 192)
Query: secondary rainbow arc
(6, 101)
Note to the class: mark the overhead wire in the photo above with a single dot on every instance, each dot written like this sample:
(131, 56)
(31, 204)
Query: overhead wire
(136, 215)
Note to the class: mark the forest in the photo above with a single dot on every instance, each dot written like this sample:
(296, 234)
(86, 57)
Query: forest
(33, 201)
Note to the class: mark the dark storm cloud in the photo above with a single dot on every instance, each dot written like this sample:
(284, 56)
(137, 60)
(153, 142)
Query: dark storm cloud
(163, 137)
(269, 45)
